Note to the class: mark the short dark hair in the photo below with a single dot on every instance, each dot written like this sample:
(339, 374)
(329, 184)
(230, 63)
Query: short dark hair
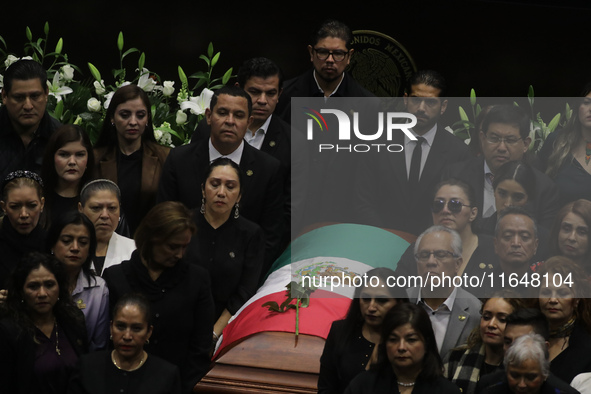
(520, 172)
(56, 228)
(332, 28)
(230, 90)
(258, 67)
(530, 317)
(137, 299)
(515, 211)
(430, 78)
(23, 70)
(508, 114)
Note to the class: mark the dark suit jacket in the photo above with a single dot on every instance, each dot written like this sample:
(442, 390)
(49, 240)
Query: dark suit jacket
(262, 188)
(385, 198)
(305, 86)
(545, 204)
(153, 158)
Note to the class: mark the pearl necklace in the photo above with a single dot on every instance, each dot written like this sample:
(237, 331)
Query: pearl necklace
(406, 384)
(144, 357)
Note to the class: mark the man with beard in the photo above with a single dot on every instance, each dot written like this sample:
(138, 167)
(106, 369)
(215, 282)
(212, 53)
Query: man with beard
(396, 190)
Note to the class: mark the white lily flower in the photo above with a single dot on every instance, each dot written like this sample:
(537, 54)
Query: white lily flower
(145, 82)
(9, 60)
(108, 98)
(56, 89)
(197, 105)
(99, 87)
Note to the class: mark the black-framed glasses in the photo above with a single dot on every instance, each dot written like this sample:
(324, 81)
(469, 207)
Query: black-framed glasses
(424, 255)
(496, 140)
(323, 54)
(453, 205)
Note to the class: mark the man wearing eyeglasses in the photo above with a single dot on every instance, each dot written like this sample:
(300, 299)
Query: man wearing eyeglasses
(505, 137)
(330, 53)
(453, 311)
(25, 125)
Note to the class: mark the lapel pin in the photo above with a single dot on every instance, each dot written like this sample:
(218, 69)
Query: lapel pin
(490, 266)
(249, 172)
(232, 255)
(461, 318)
(482, 266)
(272, 144)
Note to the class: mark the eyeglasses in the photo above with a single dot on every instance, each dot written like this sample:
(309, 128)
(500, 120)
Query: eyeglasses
(495, 140)
(323, 54)
(423, 256)
(453, 205)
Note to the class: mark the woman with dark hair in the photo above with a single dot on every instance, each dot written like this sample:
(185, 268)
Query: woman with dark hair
(483, 353)
(72, 240)
(128, 367)
(566, 153)
(100, 201)
(569, 235)
(127, 153)
(564, 300)
(452, 207)
(228, 245)
(179, 292)
(21, 231)
(408, 359)
(68, 165)
(514, 185)
(351, 345)
(42, 332)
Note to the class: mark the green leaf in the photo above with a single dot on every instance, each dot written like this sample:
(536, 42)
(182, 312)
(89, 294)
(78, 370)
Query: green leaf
(46, 28)
(206, 59)
(120, 41)
(530, 95)
(59, 46)
(59, 109)
(210, 50)
(94, 71)
(227, 76)
(141, 61)
(215, 59)
(29, 34)
(553, 124)
(130, 50)
(472, 97)
(272, 305)
(463, 114)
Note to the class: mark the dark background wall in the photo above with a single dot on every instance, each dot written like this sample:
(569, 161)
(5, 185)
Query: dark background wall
(498, 48)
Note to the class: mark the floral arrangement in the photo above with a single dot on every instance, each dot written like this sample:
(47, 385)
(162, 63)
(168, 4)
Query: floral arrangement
(465, 128)
(176, 110)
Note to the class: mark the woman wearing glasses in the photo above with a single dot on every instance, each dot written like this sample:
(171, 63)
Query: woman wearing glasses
(453, 208)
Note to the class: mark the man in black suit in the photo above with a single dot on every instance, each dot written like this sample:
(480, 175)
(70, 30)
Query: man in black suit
(229, 117)
(400, 196)
(262, 79)
(330, 52)
(505, 137)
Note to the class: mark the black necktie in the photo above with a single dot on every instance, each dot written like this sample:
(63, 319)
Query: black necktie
(415, 163)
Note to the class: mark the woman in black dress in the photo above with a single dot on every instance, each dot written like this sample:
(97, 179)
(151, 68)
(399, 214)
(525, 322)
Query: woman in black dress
(228, 245)
(408, 359)
(21, 230)
(128, 367)
(42, 332)
(179, 292)
(351, 345)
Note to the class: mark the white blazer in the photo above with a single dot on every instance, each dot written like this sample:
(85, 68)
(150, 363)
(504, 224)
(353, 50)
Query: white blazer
(118, 250)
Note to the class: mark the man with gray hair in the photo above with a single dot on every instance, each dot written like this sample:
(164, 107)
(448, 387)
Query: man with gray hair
(453, 311)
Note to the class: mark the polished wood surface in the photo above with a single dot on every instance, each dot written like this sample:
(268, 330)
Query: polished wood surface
(268, 362)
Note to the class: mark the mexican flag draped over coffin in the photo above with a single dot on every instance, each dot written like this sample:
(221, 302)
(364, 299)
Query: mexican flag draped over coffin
(335, 250)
